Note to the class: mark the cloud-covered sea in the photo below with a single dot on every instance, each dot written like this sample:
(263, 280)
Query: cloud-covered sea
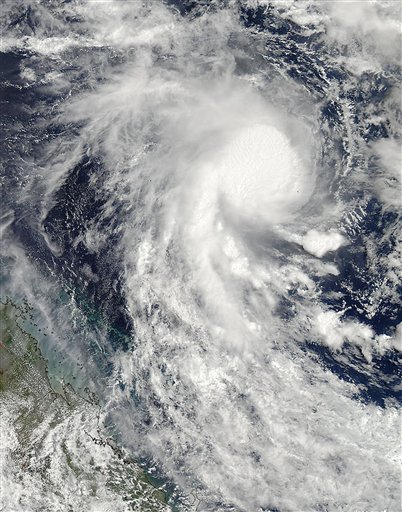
(201, 202)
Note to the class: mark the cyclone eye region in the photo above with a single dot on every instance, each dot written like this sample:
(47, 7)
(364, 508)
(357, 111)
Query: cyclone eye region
(262, 176)
(201, 258)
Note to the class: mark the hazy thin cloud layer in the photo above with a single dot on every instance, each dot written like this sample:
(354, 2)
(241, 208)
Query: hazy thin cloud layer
(201, 204)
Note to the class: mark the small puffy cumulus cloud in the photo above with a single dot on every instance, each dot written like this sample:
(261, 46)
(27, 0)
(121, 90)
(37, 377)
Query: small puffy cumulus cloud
(319, 243)
(28, 74)
(334, 332)
(394, 341)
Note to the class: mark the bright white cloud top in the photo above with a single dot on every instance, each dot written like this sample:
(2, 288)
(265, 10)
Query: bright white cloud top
(261, 175)
(319, 244)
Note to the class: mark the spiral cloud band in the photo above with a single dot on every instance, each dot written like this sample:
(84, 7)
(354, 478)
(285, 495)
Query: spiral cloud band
(201, 208)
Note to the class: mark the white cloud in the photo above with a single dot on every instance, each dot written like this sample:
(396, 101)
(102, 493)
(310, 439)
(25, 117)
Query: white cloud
(227, 396)
(320, 243)
(334, 332)
(388, 180)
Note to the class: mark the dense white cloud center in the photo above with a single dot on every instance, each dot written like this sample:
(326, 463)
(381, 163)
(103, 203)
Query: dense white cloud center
(261, 174)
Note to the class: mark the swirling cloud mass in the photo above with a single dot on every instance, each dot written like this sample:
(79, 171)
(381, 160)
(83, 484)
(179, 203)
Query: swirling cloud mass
(202, 205)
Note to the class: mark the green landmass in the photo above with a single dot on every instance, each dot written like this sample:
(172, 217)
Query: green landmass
(58, 458)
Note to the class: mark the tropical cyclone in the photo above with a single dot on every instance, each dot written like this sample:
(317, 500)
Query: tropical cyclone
(200, 200)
